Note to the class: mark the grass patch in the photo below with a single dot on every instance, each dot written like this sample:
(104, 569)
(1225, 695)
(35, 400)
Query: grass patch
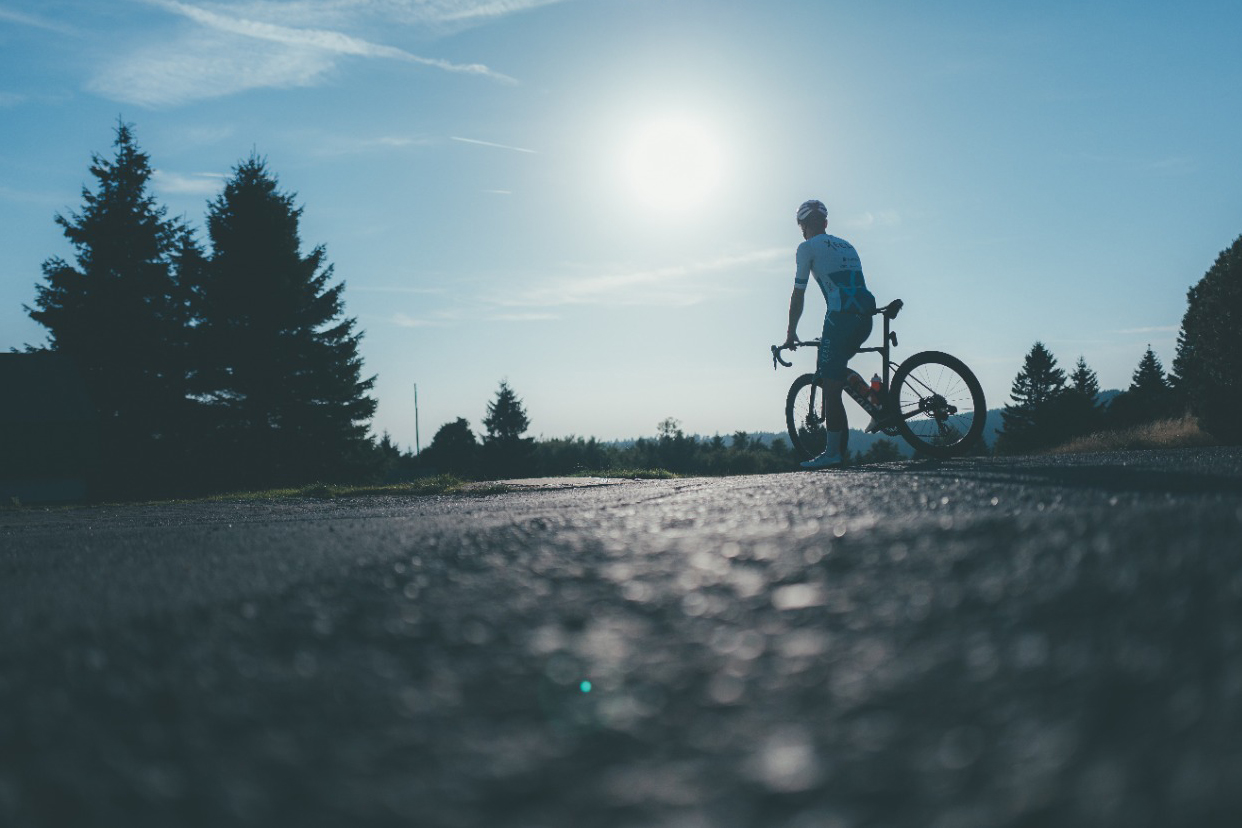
(629, 474)
(441, 485)
(1183, 432)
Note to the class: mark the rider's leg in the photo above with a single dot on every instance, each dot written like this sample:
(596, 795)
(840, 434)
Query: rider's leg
(834, 407)
(834, 426)
(834, 412)
(839, 342)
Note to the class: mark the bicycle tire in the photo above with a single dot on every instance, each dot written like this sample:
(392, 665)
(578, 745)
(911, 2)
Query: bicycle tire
(940, 403)
(806, 427)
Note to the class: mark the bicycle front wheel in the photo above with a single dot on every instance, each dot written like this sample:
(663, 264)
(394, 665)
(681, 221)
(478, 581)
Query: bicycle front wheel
(804, 416)
(940, 405)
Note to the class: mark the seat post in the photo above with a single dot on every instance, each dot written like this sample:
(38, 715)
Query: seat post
(884, 350)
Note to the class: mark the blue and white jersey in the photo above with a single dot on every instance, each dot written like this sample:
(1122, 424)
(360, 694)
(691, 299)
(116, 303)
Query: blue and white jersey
(837, 269)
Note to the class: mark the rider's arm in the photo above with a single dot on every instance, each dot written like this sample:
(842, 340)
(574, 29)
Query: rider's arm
(795, 313)
(801, 277)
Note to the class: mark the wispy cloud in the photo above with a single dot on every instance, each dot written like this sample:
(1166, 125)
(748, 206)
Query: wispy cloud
(321, 39)
(883, 218)
(207, 184)
(208, 66)
(1167, 165)
(533, 316)
(1152, 329)
(446, 318)
(395, 289)
(490, 144)
(333, 145)
(221, 57)
(339, 12)
(673, 286)
(29, 197)
(454, 10)
(22, 19)
(403, 320)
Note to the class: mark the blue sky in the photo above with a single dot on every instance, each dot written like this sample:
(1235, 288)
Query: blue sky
(594, 199)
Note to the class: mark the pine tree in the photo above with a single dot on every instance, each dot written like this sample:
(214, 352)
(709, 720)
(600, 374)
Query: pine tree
(506, 452)
(282, 372)
(1208, 367)
(1148, 398)
(1149, 379)
(1084, 380)
(1075, 412)
(881, 451)
(120, 314)
(1027, 421)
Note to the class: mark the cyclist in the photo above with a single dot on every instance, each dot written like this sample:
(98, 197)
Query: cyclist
(847, 323)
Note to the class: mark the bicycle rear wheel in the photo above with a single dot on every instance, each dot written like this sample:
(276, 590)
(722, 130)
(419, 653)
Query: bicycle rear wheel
(940, 404)
(804, 416)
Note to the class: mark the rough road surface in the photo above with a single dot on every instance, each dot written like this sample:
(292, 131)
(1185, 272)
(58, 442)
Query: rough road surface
(980, 643)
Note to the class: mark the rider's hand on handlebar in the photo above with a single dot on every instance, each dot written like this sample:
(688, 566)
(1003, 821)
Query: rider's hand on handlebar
(791, 341)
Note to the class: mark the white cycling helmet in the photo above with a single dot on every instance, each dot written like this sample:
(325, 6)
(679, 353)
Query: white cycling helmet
(811, 208)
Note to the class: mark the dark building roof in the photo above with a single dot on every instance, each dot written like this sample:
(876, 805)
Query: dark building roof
(42, 387)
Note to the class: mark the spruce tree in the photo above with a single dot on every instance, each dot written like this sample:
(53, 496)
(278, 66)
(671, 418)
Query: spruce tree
(1149, 396)
(1084, 380)
(120, 314)
(1075, 412)
(506, 452)
(1149, 379)
(1028, 424)
(1208, 367)
(282, 373)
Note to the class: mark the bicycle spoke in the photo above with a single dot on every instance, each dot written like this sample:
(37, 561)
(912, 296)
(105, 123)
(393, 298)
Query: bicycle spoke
(936, 404)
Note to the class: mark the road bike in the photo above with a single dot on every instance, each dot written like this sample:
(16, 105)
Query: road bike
(934, 402)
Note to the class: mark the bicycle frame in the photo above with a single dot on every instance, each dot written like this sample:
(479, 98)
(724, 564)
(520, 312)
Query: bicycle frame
(908, 393)
(889, 312)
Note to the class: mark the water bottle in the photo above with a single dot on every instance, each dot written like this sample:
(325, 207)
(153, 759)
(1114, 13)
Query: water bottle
(877, 386)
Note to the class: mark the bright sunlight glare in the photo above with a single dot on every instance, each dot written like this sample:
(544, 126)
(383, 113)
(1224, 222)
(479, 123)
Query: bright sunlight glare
(672, 165)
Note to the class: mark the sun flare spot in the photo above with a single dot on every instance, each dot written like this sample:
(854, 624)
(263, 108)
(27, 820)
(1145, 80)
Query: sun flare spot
(672, 165)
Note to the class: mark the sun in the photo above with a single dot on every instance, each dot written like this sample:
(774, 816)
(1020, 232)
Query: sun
(672, 165)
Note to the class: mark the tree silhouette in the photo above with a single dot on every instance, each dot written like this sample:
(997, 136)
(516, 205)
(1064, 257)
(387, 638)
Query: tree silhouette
(1074, 411)
(1208, 366)
(1028, 421)
(1084, 380)
(506, 453)
(1148, 398)
(453, 450)
(881, 451)
(281, 370)
(120, 315)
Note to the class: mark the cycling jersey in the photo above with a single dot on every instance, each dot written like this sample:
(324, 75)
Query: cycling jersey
(837, 270)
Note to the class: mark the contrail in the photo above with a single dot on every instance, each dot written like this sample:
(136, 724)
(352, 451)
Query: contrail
(490, 144)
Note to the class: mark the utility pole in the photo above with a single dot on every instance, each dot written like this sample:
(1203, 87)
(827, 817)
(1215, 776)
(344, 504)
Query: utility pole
(418, 448)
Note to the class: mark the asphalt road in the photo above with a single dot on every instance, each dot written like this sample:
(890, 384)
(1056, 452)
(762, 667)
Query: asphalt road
(980, 643)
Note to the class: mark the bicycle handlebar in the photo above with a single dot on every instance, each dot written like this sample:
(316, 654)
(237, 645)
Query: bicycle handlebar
(890, 311)
(776, 352)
